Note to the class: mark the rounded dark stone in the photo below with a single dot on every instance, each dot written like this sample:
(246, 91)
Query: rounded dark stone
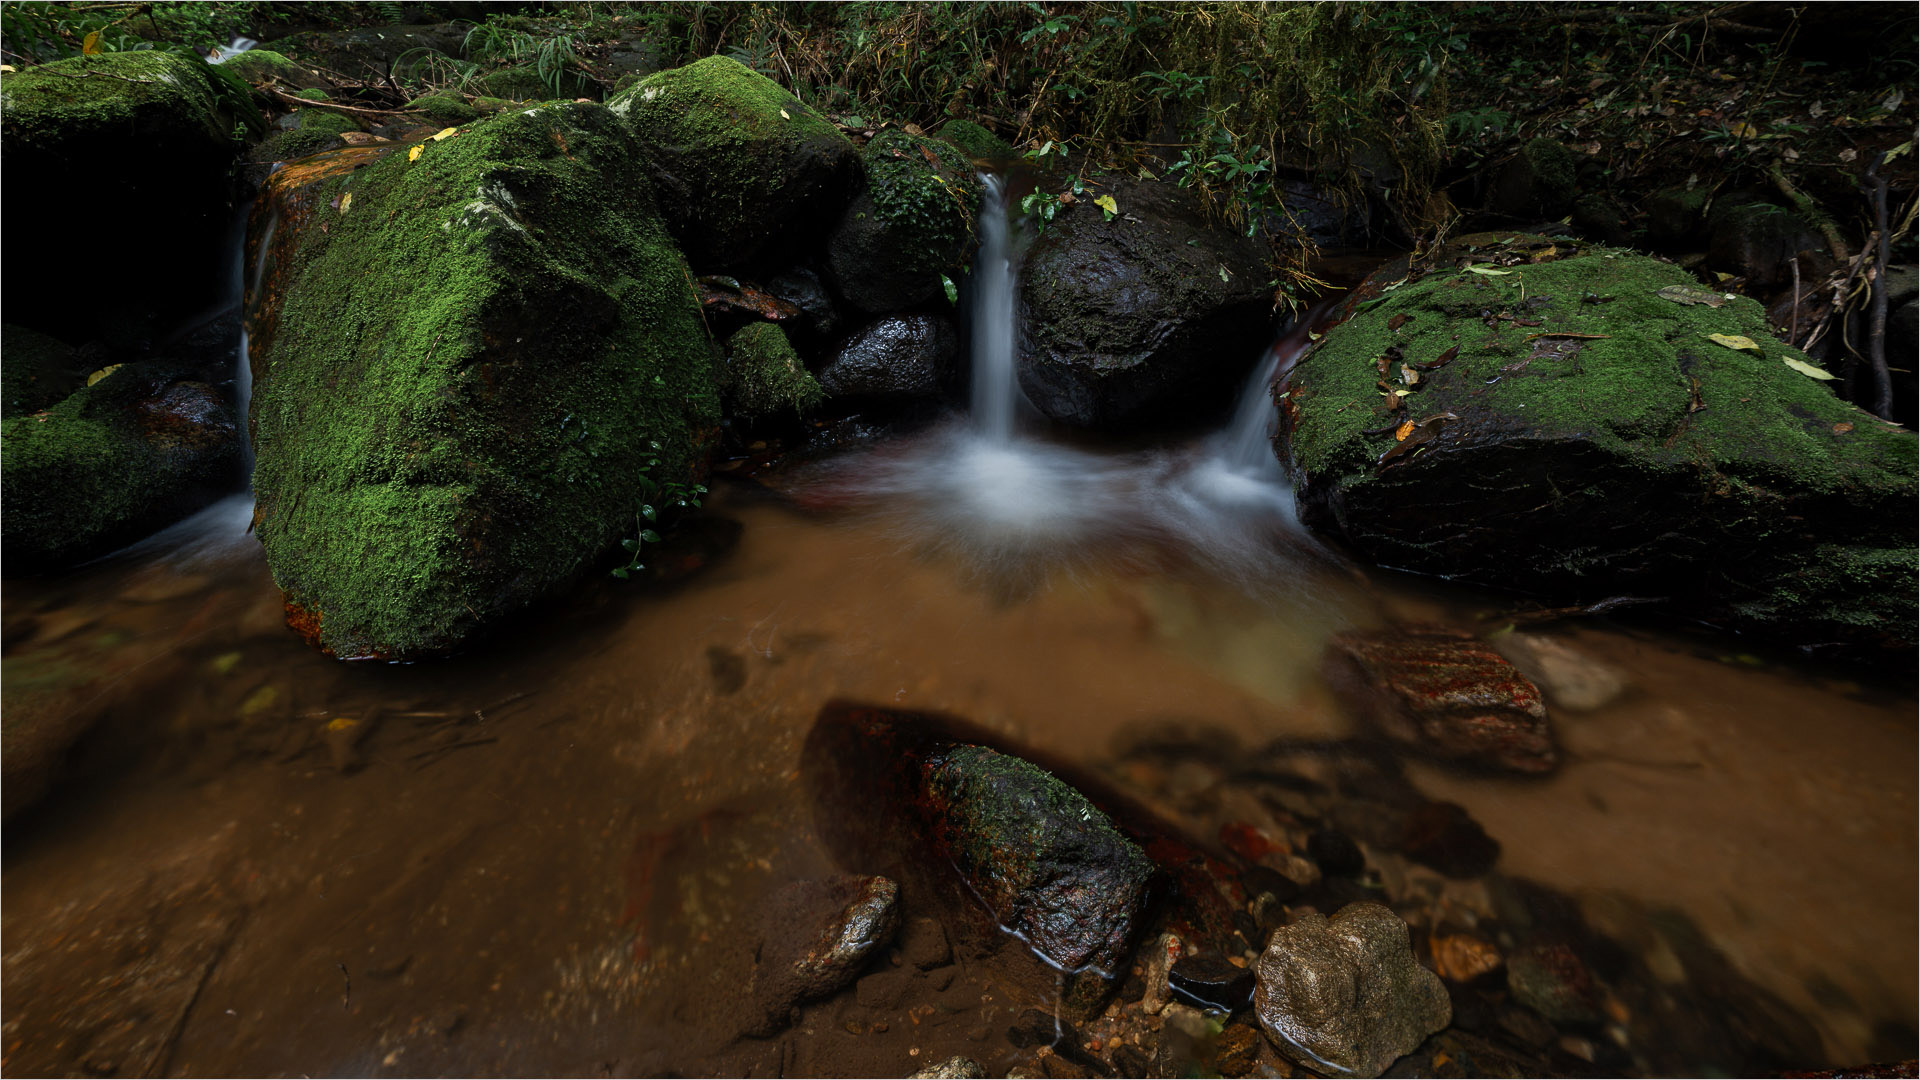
(900, 356)
(1207, 981)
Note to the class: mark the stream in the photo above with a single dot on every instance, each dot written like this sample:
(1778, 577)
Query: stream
(545, 856)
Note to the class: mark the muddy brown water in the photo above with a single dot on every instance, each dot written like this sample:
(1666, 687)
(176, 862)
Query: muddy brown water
(545, 857)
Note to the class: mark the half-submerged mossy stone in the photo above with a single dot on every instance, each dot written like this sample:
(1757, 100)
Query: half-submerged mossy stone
(1587, 439)
(913, 224)
(1133, 319)
(141, 448)
(464, 363)
(765, 377)
(746, 174)
(87, 141)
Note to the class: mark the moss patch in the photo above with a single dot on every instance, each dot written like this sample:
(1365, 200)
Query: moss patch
(317, 130)
(1588, 436)
(477, 354)
(765, 377)
(94, 93)
(927, 195)
(261, 66)
(38, 371)
(743, 167)
(976, 142)
(445, 108)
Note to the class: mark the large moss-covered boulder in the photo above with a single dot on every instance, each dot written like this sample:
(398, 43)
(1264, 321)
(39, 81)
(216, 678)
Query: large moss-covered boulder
(746, 174)
(1560, 420)
(144, 446)
(977, 142)
(913, 224)
(1137, 317)
(304, 132)
(464, 364)
(118, 189)
(39, 370)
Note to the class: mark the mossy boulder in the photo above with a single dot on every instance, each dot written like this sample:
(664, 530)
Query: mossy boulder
(765, 377)
(142, 447)
(1577, 434)
(305, 132)
(747, 175)
(264, 66)
(89, 140)
(914, 223)
(464, 363)
(977, 142)
(445, 108)
(526, 84)
(1142, 317)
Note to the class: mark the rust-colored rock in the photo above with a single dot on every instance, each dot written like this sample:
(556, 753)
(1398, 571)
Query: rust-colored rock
(1446, 694)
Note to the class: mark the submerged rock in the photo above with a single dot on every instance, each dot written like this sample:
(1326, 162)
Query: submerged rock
(147, 130)
(144, 446)
(898, 357)
(914, 223)
(954, 1068)
(1136, 317)
(1550, 979)
(1590, 440)
(1446, 694)
(462, 363)
(817, 937)
(1344, 997)
(746, 174)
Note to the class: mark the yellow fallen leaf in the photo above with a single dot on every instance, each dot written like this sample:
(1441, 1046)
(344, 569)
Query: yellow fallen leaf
(1745, 130)
(91, 46)
(342, 723)
(1404, 430)
(346, 201)
(414, 154)
(444, 133)
(1105, 202)
(1807, 369)
(1489, 273)
(784, 116)
(102, 373)
(1898, 150)
(8, 68)
(1734, 341)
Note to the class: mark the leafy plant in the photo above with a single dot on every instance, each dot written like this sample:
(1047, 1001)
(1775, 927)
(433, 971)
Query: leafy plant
(655, 498)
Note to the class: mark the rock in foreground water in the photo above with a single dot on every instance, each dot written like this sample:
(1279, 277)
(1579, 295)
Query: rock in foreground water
(1343, 996)
(1449, 695)
(1560, 419)
(818, 935)
(464, 361)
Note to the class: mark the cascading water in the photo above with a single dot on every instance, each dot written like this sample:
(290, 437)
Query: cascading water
(995, 391)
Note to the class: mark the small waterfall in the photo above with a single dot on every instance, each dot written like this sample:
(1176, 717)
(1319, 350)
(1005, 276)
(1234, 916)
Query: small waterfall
(994, 335)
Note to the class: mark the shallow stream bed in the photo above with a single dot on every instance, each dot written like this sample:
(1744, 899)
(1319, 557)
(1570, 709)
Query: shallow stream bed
(545, 857)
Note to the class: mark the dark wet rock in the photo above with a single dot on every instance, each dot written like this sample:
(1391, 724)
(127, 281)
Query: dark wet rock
(1649, 463)
(369, 52)
(1758, 241)
(1537, 183)
(1552, 980)
(765, 377)
(818, 935)
(1908, 1068)
(914, 223)
(144, 446)
(1141, 316)
(1448, 695)
(1443, 836)
(1327, 218)
(1131, 1060)
(39, 371)
(456, 458)
(1028, 874)
(954, 1068)
(1336, 853)
(1675, 214)
(1043, 860)
(742, 185)
(1344, 996)
(924, 944)
(152, 130)
(1208, 981)
(804, 290)
(899, 356)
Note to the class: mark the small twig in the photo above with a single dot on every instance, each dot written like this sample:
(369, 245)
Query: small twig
(1793, 321)
(307, 103)
(1877, 322)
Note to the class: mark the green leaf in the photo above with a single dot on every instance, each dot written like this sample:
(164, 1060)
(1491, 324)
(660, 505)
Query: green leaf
(620, 572)
(1735, 341)
(1807, 369)
(630, 545)
(649, 513)
(649, 536)
(1488, 271)
(953, 291)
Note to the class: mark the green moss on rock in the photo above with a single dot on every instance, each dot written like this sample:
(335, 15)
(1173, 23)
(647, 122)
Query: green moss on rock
(747, 175)
(315, 131)
(765, 377)
(445, 108)
(477, 355)
(976, 142)
(37, 371)
(914, 223)
(1589, 439)
(262, 66)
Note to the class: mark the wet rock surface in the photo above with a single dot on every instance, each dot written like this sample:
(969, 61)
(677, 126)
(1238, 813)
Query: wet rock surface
(817, 937)
(1211, 982)
(1449, 695)
(1133, 319)
(742, 186)
(1344, 996)
(897, 357)
(913, 223)
(1591, 440)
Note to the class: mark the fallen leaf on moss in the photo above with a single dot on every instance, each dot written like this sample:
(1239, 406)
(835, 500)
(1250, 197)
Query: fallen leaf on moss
(1842, 428)
(346, 201)
(102, 373)
(1489, 272)
(1807, 369)
(445, 133)
(1682, 294)
(1399, 321)
(784, 116)
(414, 154)
(1406, 429)
(91, 46)
(1735, 341)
